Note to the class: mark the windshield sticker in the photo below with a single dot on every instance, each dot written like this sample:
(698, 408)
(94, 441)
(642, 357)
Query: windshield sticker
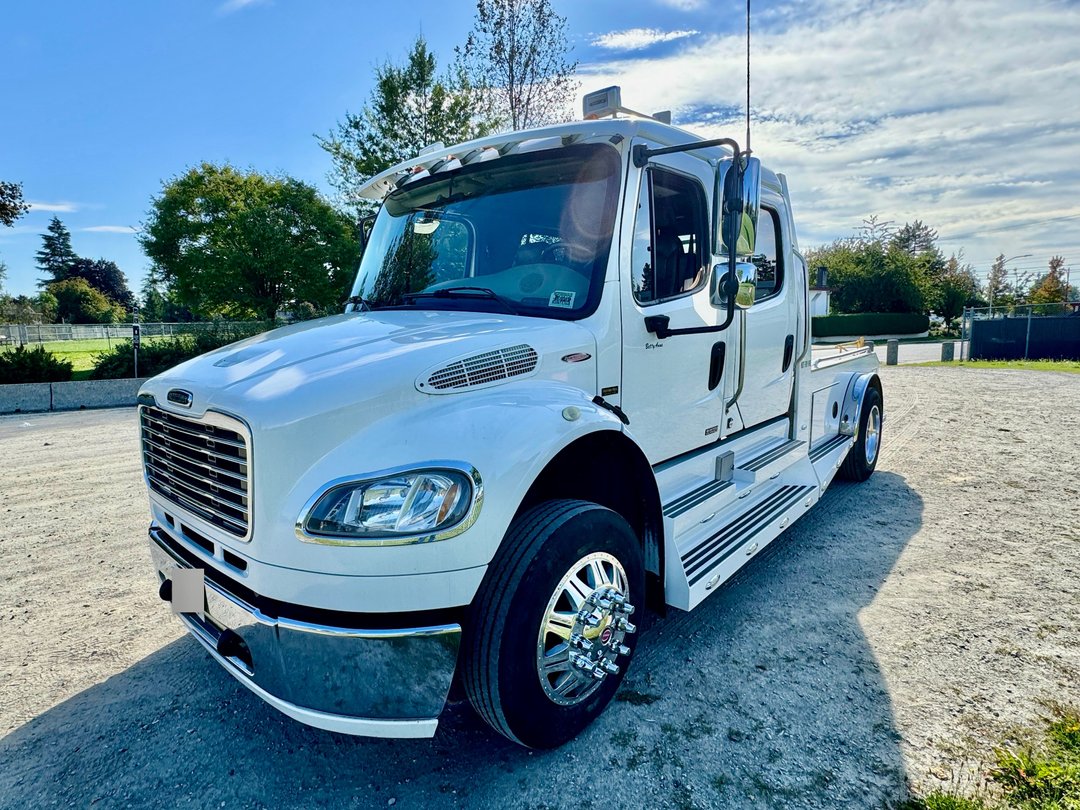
(563, 299)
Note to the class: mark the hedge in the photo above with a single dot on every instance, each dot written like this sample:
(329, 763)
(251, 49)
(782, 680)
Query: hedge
(23, 365)
(163, 353)
(869, 323)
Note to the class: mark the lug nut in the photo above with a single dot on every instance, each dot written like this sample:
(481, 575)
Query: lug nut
(610, 667)
(624, 650)
(626, 627)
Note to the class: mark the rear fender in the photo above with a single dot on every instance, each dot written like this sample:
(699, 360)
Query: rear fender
(858, 385)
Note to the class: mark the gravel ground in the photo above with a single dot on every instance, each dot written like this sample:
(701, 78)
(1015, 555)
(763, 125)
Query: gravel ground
(886, 641)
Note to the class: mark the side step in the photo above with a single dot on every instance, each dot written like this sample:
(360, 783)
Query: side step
(706, 562)
(691, 499)
(768, 463)
(827, 447)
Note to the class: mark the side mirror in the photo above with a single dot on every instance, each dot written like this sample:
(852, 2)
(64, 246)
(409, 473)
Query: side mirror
(737, 203)
(746, 274)
(743, 285)
(366, 224)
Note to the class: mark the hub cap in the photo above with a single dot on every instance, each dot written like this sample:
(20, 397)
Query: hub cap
(873, 434)
(585, 623)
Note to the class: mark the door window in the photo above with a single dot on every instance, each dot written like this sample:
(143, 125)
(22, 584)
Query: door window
(770, 269)
(670, 253)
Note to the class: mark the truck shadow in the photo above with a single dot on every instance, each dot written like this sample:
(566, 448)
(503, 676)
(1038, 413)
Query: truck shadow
(769, 695)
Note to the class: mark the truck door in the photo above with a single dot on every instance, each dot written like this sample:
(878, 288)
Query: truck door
(672, 389)
(772, 322)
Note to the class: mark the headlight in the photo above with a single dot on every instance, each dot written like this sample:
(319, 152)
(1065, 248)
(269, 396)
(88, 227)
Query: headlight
(416, 503)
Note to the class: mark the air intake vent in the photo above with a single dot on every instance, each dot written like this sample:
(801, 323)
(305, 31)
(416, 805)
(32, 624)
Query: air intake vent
(480, 370)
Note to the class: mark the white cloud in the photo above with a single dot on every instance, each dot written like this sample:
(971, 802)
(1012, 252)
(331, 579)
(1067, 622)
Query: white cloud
(229, 6)
(58, 207)
(908, 109)
(684, 5)
(110, 229)
(634, 39)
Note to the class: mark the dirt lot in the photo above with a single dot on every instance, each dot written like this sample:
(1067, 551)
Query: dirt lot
(893, 633)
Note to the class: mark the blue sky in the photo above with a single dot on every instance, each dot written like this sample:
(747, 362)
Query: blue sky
(945, 110)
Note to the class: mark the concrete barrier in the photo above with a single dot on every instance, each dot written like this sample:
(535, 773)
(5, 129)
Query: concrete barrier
(73, 396)
(68, 396)
(25, 398)
(948, 351)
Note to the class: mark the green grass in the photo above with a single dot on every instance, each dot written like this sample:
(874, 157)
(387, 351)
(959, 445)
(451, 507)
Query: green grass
(1042, 774)
(1068, 366)
(81, 353)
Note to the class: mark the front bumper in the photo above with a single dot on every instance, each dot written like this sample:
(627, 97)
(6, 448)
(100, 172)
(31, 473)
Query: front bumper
(371, 682)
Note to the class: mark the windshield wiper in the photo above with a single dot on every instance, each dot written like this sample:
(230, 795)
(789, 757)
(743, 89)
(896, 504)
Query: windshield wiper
(361, 304)
(453, 292)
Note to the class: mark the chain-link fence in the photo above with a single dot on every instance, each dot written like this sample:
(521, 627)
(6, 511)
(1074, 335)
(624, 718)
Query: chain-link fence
(21, 334)
(1022, 331)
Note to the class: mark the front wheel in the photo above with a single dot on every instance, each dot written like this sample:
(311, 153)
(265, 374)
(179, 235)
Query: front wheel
(862, 459)
(549, 634)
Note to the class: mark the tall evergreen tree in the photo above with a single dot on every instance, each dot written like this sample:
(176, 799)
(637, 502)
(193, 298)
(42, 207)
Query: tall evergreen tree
(517, 53)
(56, 256)
(410, 108)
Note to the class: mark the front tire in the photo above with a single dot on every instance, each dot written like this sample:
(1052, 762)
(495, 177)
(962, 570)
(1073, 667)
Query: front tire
(862, 460)
(549, 636)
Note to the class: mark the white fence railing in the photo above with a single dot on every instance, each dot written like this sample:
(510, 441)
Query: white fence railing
(11, 334)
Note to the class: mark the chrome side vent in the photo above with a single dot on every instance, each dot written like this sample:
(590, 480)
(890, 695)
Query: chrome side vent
(478, 370)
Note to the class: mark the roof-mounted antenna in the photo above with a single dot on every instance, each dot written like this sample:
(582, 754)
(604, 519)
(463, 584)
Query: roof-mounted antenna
(748, 77)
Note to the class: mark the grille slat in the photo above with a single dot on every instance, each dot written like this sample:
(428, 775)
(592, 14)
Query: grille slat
(170, 440)
(194, 495)
(198, 481)
(485, 368)
(201, 466)
(180, 463)
(167, 426)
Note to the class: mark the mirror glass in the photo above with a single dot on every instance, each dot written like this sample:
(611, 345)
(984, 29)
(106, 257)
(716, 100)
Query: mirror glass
(745, 288)
(748, 200)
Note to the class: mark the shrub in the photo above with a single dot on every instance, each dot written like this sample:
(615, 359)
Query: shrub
(870, 323)
(22, 365)
(161, 354)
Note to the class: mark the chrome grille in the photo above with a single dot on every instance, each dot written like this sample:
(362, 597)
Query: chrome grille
(485, 368)
(201, 465)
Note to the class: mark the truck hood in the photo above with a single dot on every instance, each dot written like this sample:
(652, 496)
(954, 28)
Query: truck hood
(338, 362)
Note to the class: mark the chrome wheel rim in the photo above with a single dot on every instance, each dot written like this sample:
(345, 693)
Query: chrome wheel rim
(873, 434)
(584, 625)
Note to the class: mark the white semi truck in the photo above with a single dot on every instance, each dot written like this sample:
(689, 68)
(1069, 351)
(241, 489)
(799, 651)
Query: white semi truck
(574, 380)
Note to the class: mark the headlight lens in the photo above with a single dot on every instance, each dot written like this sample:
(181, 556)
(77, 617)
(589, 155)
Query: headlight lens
(408, 504)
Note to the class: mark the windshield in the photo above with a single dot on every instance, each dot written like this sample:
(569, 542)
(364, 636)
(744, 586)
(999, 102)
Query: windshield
(527, 234)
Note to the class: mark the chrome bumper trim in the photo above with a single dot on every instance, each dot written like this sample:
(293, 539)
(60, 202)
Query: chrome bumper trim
(370, 682)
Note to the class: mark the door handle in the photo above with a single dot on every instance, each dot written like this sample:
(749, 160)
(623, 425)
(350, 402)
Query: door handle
(789, 350)
(716, 364)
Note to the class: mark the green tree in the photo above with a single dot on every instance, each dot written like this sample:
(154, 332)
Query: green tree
(998, 291)
(104, 276)
(1050, 288)
(46, 305)
(12, 205)
(957, 288)
(3, 276)
(243, 244)
(56, 256)
(410, 107)
(517, 53)
(78, 302)
(916, 238)
(870, 275)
